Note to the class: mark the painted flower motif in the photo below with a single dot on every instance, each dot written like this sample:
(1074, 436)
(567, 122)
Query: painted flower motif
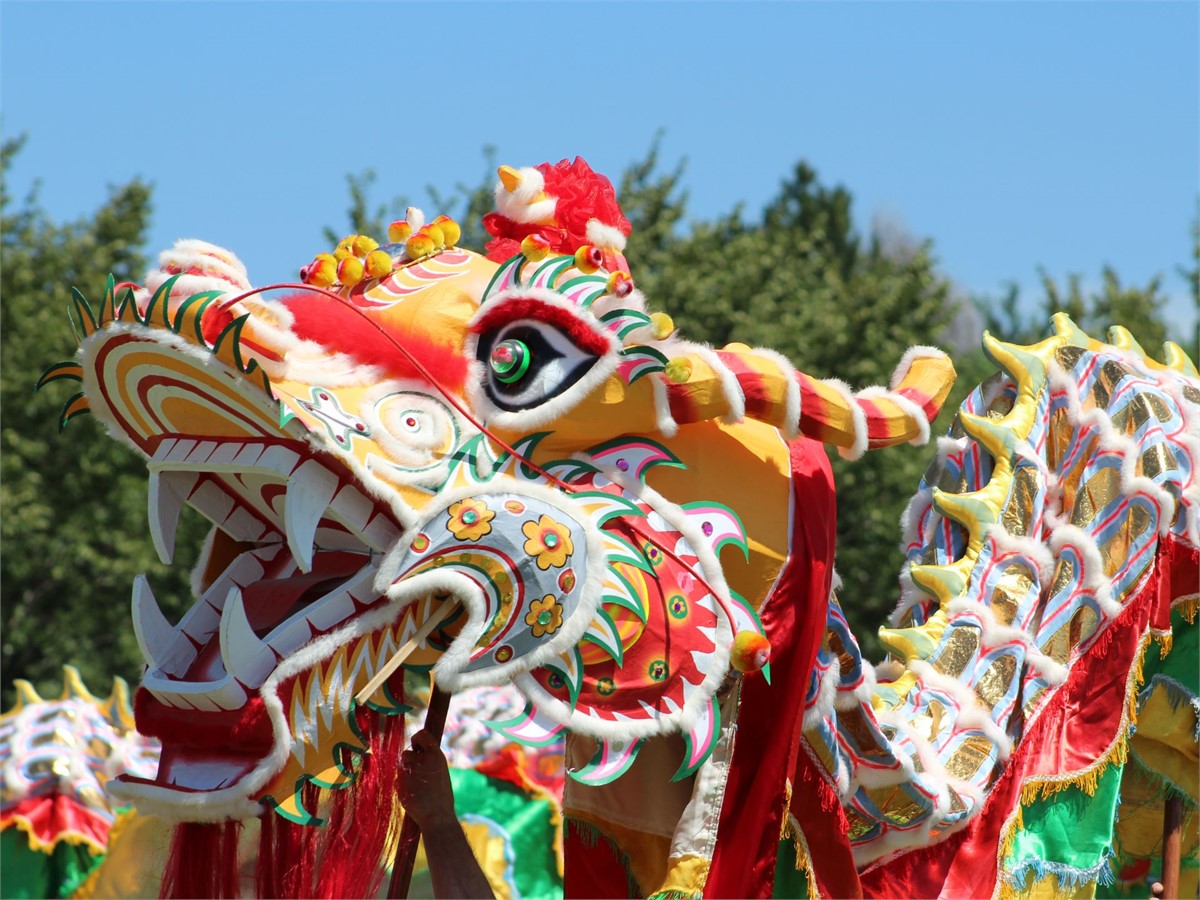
(545, 616)
(658, 670)
(470, 519)
(548, 541)
(653, 555)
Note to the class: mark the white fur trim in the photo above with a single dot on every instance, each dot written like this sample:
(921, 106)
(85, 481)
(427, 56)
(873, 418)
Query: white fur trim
(908, 407)
(523, 205)
(910, 356)
(822, 706)
(414, 216)
(604, 236)
(667, 426)
(858, 417)
(729, 384)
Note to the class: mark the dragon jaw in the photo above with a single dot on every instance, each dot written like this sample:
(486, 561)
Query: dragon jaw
(296, 607)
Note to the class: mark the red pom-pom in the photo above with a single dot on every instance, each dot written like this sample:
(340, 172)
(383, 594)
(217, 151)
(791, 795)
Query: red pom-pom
(582, 195)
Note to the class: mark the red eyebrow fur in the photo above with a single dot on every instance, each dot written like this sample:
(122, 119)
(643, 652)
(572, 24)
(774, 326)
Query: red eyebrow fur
(579, 331)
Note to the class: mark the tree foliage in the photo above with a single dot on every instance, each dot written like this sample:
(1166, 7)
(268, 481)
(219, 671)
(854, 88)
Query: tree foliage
(1140, 309)
(74, 504)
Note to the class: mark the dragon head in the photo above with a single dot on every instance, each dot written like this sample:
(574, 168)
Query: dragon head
(515, 467)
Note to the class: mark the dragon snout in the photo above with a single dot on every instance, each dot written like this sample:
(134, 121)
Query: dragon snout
(517, 563)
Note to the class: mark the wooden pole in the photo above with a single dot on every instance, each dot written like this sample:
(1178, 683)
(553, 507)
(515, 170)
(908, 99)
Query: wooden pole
(1172, 840)
(405, 651)
(410, 831)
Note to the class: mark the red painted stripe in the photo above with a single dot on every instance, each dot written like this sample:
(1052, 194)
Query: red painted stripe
(928, 403)
(878, 429)
(814, 411)
(758, 399)
(683, 407)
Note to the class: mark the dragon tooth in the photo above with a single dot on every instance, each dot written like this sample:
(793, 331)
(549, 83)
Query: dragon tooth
(352, 508)
(168, 492)
(202, 451)
(243, 654)
(380, 534)
(310, 491)
(225, 454)
(155, 635)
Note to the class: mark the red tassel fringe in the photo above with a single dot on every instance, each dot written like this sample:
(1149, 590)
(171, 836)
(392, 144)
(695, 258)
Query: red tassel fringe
(345, 856)
(203, 861)
(342, 858)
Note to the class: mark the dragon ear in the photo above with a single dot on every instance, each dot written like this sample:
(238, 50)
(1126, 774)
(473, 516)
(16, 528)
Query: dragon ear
(737, 382)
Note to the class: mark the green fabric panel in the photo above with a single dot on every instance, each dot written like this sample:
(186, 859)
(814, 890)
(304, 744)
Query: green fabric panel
(73, 864)
(26, 873)
(23, 872)
(790, 882)
(523, 820)
(1183, 662)
(1069, 835)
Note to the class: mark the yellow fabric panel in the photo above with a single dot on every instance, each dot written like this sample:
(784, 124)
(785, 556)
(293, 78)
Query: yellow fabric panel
(1048, 888)
(687, 875)
(1165, 744)
(137, 854)
(612, 409)
(754, 480)
(705, 390)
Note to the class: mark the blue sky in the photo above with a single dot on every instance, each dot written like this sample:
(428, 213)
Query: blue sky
(1015, 135)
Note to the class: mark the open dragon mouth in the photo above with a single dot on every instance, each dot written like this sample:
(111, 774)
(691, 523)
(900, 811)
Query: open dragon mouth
(292, 555)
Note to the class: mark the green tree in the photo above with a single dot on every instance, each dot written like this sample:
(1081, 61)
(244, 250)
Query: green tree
(1193, 279)
(74, 504)
(1140, 309)
(467, 205)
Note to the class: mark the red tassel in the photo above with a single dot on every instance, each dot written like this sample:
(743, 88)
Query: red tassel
(203, 861)
(345, 856)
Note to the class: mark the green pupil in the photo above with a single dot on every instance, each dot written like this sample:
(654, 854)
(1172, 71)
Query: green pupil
(510, 360)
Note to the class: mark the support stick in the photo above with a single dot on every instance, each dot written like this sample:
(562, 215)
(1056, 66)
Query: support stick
(1172, 838)
(410, 831)
(405, 651)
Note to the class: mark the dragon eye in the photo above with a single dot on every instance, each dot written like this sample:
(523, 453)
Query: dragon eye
(510, 360)
(528, 362)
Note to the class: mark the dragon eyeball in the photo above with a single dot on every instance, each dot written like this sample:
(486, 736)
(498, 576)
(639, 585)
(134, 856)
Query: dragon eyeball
(510, 360)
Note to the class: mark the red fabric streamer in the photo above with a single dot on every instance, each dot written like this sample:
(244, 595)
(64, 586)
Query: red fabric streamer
(344, 857)
(203, 861)
(51, 817)
(771, 716)
(588, 870)
(1076, 726)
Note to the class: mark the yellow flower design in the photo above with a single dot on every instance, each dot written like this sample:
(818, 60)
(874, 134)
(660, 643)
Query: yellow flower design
(544, 616)
(470, 519)
(549, 541)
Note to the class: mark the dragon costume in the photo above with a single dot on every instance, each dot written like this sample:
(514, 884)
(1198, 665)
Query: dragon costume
(637, 533)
